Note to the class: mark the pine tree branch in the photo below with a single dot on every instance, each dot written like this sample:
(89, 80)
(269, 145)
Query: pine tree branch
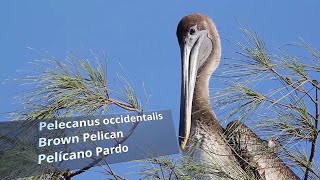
(315, 138)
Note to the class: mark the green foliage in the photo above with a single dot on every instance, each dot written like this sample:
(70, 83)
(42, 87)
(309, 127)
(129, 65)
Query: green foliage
(72, 87)
(64, 88)
(276, 93)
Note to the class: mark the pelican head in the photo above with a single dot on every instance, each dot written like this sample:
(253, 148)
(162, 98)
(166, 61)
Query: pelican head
(200, 54)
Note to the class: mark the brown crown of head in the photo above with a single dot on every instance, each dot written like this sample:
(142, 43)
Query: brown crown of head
(202, 21)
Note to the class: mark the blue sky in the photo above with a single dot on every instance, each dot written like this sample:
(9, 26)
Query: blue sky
(140, 35)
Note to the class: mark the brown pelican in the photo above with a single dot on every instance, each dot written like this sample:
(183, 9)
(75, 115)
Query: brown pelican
(200, 134)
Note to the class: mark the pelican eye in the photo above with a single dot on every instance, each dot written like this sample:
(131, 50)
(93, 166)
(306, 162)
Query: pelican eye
(192, 31)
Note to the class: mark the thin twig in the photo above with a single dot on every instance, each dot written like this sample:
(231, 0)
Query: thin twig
(290, 84)
(112, 173)
(122, 105)
(315, 138)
